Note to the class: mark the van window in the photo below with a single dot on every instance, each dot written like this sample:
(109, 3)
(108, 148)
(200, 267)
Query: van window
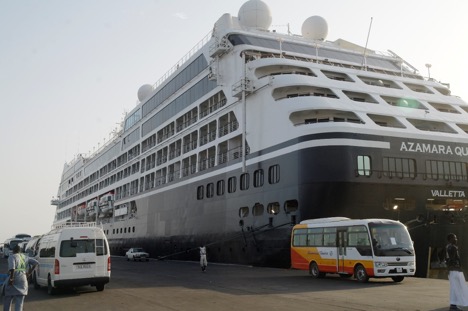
(101, 247)
(47, 251)
(69, 248)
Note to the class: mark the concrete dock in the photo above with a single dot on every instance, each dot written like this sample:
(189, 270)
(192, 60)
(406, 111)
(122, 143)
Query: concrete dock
(171, 285)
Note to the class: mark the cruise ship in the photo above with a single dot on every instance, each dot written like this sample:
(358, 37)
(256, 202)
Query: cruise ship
(254, 130)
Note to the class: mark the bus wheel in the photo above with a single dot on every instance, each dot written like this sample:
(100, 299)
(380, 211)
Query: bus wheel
(398, 279)
(314, 271)
(360, 274)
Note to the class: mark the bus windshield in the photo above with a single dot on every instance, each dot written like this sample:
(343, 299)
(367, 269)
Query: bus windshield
(390, 240)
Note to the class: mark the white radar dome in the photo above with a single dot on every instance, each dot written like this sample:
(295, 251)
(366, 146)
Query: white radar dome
(144, 91)
(255, 13)
(315, 28)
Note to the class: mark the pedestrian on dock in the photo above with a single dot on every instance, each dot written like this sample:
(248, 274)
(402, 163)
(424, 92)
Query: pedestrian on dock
(17, 287)
(203, 261)
(458, 287)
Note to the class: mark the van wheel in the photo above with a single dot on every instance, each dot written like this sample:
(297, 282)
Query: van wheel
(34, 281)
(50, 289)
(100, 287)
(360, 274)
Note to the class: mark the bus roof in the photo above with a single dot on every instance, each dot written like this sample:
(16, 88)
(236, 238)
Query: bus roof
(343, 221)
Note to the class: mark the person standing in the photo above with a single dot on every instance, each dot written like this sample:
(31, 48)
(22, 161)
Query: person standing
(203, 261)
(458, 287)
(17, 287)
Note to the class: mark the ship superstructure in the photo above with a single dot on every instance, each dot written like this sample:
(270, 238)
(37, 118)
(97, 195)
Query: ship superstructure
(254, 131)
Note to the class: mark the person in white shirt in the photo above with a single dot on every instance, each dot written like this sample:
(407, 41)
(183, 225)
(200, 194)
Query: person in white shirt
(203, 262)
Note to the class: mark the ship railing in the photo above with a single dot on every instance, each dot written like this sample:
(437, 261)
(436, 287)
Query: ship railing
(228, 128)
(206, 163)
(186, 124)
(213, 108)
(190, 146)
(184, 59)
(74, 224)
(208, 137)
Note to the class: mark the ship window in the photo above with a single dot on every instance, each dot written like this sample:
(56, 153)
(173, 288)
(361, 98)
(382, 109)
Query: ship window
(232, 181)
(446, 170)
(210, 190)
(273, 70)
(257, 209)
(302, 90)
(418, 88)
(379, 82)
(200, 191)
(385, 121)
(273, 208)
(291, 206)
(431, 126)
(464, 127)
(444, 107)
(258, 178)
(243, 212)
(443, 90)
(244, 181)
(274, 174)
(363, 165)
(220, 187)
(360, 97)
(339, 76)
(314, 116)
(133, 229)
(399, 167)
(403, 102)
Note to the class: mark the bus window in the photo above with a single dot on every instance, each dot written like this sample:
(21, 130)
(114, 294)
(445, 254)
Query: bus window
(358, 237)
(390, 240)
(300, 237)
(315, 237)
(329, 236)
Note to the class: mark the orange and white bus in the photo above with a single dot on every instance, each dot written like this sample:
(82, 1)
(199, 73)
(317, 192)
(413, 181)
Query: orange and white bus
(364, 248)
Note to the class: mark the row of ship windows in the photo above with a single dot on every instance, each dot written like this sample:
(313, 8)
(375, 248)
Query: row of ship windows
(180, 169)
(120, 230)
(314, 116)
(341, 76)
(217, 128)
(406, 168)
(258, 181)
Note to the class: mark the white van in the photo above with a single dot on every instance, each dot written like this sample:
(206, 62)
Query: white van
(71, 255)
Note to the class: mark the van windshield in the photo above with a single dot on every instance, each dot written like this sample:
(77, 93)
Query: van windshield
(69, 248)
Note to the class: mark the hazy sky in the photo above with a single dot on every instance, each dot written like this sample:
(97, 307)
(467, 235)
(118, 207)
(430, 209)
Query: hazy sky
(70, 69)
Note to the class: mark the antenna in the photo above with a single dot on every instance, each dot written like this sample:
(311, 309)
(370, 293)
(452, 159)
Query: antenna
(365, 48)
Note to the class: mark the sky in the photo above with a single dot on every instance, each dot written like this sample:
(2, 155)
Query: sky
(69, 70)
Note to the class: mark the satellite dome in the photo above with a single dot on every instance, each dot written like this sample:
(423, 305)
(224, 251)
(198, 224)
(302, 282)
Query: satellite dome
(255, 13)
(315, 28)
(144, 91)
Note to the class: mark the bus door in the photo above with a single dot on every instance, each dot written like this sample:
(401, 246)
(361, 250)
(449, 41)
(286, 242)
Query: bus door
(341, 243)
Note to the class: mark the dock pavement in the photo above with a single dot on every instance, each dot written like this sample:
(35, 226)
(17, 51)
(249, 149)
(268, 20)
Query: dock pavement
(179, 286)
